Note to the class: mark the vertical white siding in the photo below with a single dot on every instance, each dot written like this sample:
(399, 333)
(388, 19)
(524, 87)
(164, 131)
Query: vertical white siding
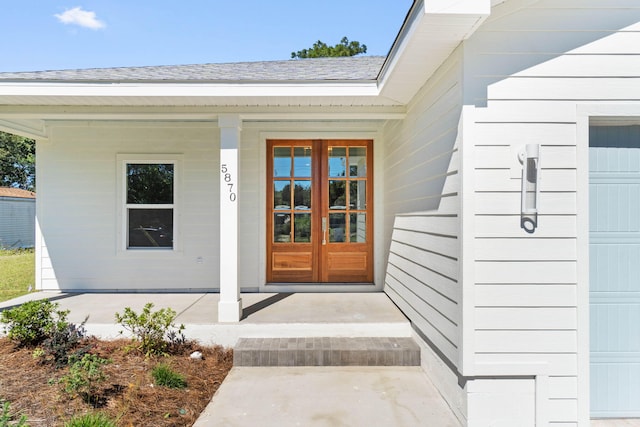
(17, 222)
(528, 68)
(422, 209)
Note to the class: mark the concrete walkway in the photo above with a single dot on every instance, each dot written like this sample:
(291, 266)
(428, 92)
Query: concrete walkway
(331, 397)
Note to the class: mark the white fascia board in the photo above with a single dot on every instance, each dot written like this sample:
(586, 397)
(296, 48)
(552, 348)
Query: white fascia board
(464, 7)
(432, 31)
(194, 90)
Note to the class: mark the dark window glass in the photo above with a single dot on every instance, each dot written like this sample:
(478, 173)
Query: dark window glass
(150, 228)
(149, 184)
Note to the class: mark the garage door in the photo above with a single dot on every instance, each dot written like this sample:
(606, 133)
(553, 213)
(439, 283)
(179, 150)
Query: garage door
(614, 197)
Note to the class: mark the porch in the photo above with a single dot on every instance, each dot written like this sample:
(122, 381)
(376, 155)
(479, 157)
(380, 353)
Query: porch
(276, 315)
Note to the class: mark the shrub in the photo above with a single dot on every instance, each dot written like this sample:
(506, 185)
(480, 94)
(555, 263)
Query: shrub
(6, 419)
(163, 375)
(97, 419)
(32, 322)
(84, 377)
(154, 330)
(63, 341)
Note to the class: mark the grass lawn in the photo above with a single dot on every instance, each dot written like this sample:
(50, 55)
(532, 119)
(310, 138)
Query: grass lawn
(17, 272)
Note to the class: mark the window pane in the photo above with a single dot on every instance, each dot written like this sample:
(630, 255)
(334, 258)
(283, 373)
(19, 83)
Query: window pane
(337, 227)
(150, 184)
(302, 195)
(302, 162)
(358, 194)
(337, 195)
(282, 161)
(302, 228)
(358, 227)
(150, 228)
(357, 161)
(282, 195)
(337, 161)
(281, 227)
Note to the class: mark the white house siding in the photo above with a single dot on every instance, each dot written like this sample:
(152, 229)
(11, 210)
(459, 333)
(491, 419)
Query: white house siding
(527, 67)
(17, 222)
(77, 180)
(422, 206)
(77, 174)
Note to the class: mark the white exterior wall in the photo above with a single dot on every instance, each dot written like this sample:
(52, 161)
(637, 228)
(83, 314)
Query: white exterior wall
(78, 207)
(17, 222)
(78, 174)
(528, 68)
(422, 207)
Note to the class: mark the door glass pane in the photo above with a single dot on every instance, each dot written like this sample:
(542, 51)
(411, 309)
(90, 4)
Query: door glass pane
(281, 228)
(337, 195)
(302, 195)
(357, 161)
(150, 228)
(302, 228)
(358, 227)
(282, 195)
(282, 161)
(337, 227)
(358, 195)
(302, 162)
(337, 161)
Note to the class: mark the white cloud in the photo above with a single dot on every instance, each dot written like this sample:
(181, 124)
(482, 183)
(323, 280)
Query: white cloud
(83, 18)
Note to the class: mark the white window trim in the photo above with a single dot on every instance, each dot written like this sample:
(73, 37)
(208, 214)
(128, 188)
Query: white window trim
(122, 160)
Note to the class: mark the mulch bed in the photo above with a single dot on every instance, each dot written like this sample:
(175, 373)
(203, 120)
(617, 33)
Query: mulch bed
(128, 395)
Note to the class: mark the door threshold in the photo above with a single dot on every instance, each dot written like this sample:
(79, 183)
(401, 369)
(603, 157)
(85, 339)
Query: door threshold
(319, 284)
(323, 287)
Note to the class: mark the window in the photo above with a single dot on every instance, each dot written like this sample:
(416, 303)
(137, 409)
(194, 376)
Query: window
(149, 204)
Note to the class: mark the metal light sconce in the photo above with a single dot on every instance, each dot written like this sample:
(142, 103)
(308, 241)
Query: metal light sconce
(530, 159)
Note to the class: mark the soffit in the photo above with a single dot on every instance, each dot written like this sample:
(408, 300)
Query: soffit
(432, 31)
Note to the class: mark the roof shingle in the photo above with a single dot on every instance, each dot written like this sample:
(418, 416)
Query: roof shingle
(356, 68)
(17, 193)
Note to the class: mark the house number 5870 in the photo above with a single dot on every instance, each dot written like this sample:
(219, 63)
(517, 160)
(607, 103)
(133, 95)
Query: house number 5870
(228, 179)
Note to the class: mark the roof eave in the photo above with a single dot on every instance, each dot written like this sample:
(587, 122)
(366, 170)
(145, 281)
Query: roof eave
(432, 31)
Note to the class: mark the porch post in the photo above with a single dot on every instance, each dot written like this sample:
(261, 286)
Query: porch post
(230, 305)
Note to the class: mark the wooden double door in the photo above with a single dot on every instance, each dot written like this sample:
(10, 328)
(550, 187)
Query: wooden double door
(319, 211)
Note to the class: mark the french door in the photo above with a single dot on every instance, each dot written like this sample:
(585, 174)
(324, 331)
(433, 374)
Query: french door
(319, 211)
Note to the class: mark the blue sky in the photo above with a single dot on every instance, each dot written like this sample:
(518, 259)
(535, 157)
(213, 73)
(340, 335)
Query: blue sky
(54, 34)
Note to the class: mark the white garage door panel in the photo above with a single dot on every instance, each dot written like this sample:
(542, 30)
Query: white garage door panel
(614, 198)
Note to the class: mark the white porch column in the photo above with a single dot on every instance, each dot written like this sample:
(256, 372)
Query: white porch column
(230, 305)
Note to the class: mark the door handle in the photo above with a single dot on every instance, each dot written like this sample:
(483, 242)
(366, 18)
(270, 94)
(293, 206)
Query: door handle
(324, 230)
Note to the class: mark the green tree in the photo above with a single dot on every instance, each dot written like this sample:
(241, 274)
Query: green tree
(322, 50)
(17, 161)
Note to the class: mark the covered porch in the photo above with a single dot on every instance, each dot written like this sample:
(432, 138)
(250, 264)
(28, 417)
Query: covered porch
(275, 315)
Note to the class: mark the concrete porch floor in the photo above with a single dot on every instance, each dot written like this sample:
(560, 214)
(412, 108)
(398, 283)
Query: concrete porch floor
(265, 315)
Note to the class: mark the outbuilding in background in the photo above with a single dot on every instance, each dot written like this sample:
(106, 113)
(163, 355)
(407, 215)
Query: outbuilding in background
(17, 218)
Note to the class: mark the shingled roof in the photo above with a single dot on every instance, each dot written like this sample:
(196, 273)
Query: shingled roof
(358, 68)
(16, 193)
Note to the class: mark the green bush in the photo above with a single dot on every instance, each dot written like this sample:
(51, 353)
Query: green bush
(164, 376)
(6, 419)
(84, 377)
(154, 330)
(32, 322)
(97, 419)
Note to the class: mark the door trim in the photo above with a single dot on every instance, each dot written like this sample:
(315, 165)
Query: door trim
(379, 267)
(318, 280)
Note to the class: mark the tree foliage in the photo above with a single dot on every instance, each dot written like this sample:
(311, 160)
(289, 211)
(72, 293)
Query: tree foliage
(17, 161)
(322, 50)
